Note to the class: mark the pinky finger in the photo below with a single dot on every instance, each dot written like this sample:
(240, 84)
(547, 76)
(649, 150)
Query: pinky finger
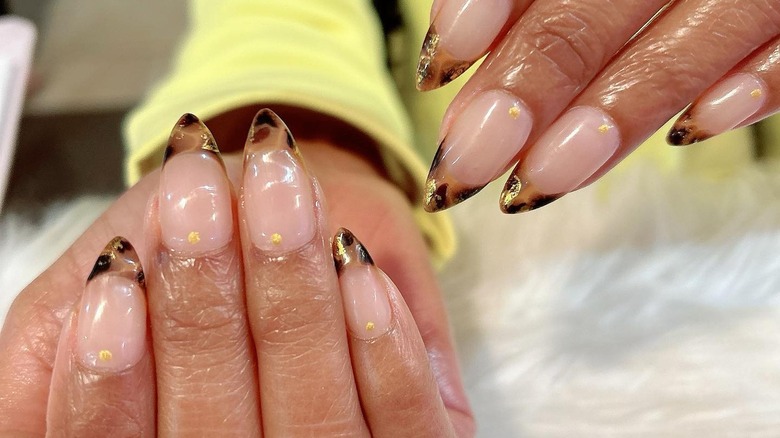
(103, 378)
(748, 94)
(398, 391)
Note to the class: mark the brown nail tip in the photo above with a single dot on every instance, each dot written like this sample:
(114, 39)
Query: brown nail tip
(189, 134)
(436, 68)
(119, 257)
(441, 196)
(684, 132)
(518, 197)
(347, 249)
(263, 125)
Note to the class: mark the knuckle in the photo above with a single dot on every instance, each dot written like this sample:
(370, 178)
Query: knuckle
(568, 42)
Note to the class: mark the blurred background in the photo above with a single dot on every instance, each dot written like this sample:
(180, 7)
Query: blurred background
(94, 61)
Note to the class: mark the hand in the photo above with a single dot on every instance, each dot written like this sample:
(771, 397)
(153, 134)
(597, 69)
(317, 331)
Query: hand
(572, 87)
(190, 323)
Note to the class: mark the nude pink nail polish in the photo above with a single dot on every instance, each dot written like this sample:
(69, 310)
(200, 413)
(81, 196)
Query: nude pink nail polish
(571, 150)
(278, 194)
(196, 213)
(721, 109)
(111, 325)
(364, 288)
(483, 141)
(461, 32)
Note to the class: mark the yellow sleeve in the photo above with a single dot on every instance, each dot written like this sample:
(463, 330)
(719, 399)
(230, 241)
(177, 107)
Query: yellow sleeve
(326, 56)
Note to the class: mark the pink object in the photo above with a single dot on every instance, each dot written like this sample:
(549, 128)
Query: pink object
(571, 150)
(111, 330)
(278, 197)
(729, 103)
(195, 203)
(17, 41)
(486, 137)
(367, 309)
(466, 28)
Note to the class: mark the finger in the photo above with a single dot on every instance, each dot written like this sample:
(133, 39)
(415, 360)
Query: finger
(747, 94)
(206, 373)
(32, 327)
(676, 58)
(294, 305)
(550, 54)
(461, 32)
(397, 388)
(103, 376)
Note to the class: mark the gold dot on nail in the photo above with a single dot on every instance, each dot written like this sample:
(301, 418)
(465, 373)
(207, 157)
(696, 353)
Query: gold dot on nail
(105, 355)
(276, 238)
(756, 93)
(604, 128)
(369, 326)
(193, 237)
(514, 112)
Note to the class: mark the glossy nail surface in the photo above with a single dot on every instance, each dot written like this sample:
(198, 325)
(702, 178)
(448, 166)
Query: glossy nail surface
(111, 327)
(461, 32)
(566, 155)
(195, 199)
(721, 109)
(278, 193)
(364, 288)
(482, 142)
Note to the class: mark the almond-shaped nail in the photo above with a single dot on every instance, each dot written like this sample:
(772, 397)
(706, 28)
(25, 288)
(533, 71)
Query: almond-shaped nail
(461, 32)
(111, 325)
(721, 109)
(567, 154)
(480, 145)
(278, 193)
(196, 213)
(364, 288)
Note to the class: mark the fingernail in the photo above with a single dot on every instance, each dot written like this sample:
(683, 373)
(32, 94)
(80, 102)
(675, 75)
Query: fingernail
(721, 109)
(363, 286)
(278, 193)
(461, 33)
(567, 154)
(482, 142)
(111, 331)
(195, 200)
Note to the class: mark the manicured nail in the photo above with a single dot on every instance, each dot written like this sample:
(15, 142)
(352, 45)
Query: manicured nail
(461, 33)
(363, 286)
(482, 142)
(111, 327)
(567, 154)
(721, 109)
(196, 213)
(278, 193)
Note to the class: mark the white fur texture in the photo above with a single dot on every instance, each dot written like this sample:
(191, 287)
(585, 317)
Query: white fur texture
(649, 309)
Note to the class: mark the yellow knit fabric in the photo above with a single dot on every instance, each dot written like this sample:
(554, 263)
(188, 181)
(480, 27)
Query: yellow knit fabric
(329, 56)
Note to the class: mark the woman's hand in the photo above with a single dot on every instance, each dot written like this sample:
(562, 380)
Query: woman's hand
(232, 354)
(571, 87)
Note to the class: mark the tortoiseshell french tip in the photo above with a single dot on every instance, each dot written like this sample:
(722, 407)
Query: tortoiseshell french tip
(684, 132)
(348, 251)
(268, 124)
(436, 67)
(519, 197)
(189, 134)
(442, 191)
(120, 258)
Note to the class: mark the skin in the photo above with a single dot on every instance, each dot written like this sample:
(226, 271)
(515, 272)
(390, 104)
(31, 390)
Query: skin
(366, 202)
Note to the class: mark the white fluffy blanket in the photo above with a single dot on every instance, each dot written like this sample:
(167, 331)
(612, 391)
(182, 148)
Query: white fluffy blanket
(650, 309)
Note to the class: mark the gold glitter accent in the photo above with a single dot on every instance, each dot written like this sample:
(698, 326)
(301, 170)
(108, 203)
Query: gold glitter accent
(369, 326)
(105, 355)
(193, 237)
(276, 238)
(756, 93)
(430, 189)
(511, 191)
(514, 112)
(604, 128)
